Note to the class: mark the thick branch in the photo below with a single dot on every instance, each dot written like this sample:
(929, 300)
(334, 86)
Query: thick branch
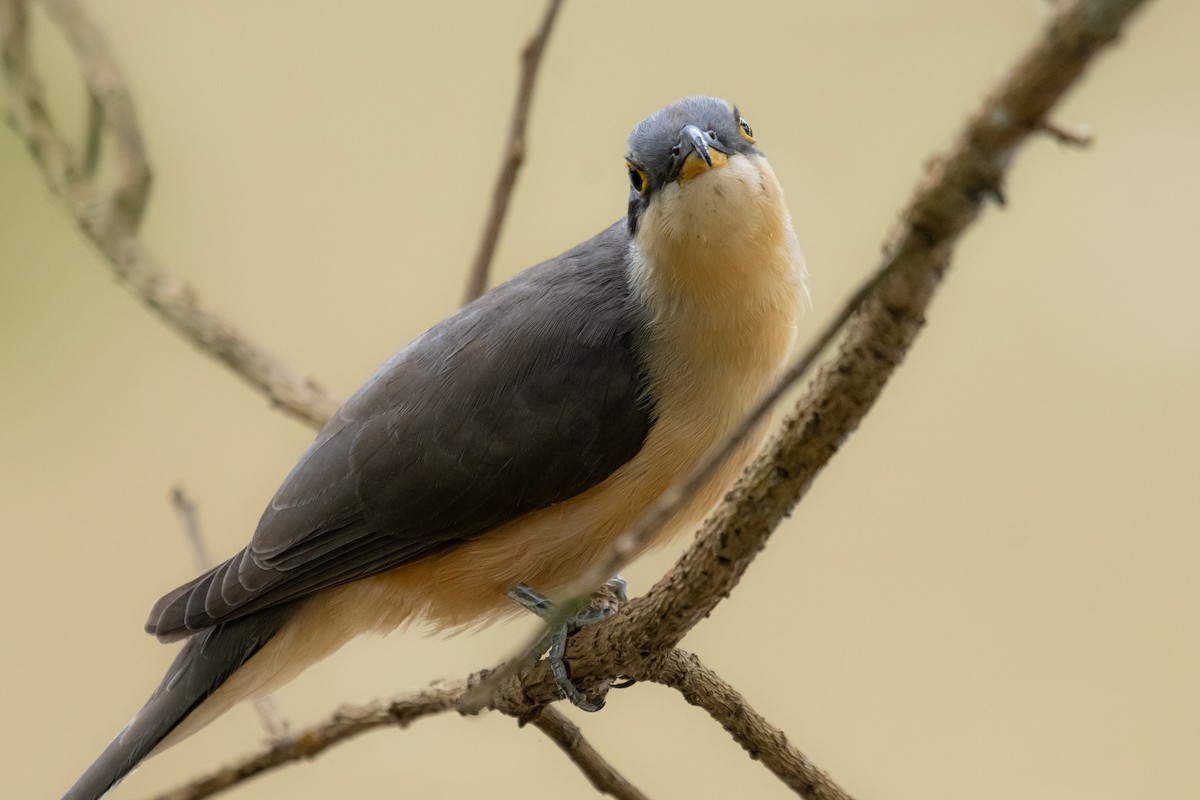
(514, 155)
(109, 216)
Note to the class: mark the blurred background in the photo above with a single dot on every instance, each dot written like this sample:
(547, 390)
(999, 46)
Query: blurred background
(991, 593)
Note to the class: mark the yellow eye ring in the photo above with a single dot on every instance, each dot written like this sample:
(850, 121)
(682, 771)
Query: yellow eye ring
(639, 181)
(747, 131)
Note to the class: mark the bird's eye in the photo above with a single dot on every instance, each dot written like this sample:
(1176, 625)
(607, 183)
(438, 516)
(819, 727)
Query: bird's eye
(747, 131)
(639, 180)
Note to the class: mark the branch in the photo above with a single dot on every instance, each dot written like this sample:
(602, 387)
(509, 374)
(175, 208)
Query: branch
(506, 181)
(109, 216)
(603, 775)
(189, 523)
(341, 726)
(402, 711)
(702, 687)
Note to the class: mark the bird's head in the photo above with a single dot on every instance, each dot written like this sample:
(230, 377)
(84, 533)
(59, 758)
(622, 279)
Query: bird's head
(696, 146)
(704, 203)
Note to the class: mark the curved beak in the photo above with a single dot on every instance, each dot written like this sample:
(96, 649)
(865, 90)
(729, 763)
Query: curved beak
(700, 152)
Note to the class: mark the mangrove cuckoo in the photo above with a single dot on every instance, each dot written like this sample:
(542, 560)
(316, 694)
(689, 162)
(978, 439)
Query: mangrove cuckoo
(510, 444)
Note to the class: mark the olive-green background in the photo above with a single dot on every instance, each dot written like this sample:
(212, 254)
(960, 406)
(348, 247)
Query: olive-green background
(991, 593)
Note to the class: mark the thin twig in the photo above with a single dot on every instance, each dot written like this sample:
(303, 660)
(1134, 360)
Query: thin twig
(109, 217)
(602, 775)
(514, 155)
(1071, 138)
(189, 521)
(881, 322)
(702, 687)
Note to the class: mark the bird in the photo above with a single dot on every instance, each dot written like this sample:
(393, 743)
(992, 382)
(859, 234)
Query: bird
(511, 443)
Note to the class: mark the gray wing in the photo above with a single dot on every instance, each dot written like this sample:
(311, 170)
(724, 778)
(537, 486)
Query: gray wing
(525, 398)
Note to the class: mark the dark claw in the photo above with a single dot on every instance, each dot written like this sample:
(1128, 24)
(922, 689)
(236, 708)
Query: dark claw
(562, 676)
(604, 604)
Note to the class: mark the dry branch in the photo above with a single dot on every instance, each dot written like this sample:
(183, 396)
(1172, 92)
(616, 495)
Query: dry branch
(350, 721)
(567, 736)
(698, 684)
(514, 155)
(108, 216)
(344, 724)
(189, 523)
(762, 741)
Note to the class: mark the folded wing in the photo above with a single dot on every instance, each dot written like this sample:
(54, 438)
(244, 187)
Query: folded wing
(525, 398)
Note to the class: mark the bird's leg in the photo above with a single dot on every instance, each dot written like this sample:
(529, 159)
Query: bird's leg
(603, 604)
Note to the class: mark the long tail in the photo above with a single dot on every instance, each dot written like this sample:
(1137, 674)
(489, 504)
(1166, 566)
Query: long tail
(207, 660)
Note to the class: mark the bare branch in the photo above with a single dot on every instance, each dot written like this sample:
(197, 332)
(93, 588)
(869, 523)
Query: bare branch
(109, 219)
(567, 736)
(402, 711)
(189, 522)
(514, 155)
(343, 725)
(702, 687)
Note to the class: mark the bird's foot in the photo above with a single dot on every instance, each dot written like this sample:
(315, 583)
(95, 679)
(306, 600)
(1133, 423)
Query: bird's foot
(604, 602)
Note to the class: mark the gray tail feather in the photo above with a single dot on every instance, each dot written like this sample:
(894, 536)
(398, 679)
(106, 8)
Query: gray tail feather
(205, 662)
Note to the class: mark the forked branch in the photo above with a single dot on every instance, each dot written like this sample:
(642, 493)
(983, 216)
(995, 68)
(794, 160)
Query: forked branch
(109, 214)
